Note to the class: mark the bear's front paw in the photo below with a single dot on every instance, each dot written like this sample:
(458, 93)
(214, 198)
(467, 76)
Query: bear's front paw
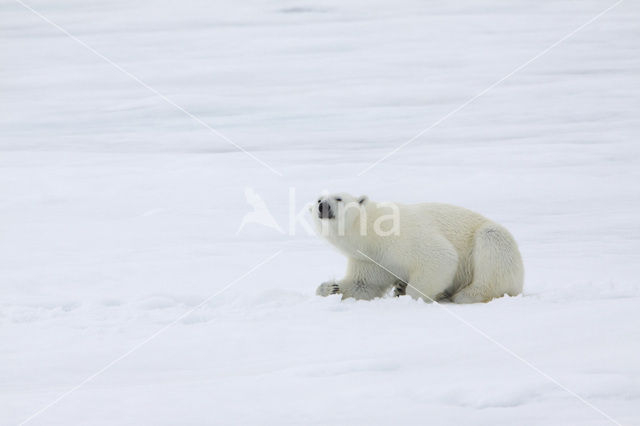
(399, 288)
(328, 288)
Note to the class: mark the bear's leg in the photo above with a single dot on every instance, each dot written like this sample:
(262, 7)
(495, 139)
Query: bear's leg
(364, 280)
(399, 288)
(470, 294)
(497, 266)
(328, 288)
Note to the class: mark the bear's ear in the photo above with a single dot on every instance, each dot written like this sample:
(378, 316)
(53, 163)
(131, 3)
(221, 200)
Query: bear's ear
(363, 199)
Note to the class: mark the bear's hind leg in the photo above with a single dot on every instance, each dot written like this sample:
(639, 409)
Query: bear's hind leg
(497, 267)
(470, 294)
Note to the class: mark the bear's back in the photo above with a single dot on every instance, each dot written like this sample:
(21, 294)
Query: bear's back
(456, 224)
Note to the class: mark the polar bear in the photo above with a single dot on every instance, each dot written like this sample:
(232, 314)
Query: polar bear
(430, 251)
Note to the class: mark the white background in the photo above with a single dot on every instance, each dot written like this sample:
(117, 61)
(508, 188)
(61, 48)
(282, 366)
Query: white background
(118, 212)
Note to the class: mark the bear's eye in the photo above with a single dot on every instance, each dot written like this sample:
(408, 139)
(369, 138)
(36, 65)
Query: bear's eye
(338, 199)
(319, 200)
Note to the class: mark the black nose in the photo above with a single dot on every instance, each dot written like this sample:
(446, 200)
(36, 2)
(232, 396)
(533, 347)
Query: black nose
(324, 208)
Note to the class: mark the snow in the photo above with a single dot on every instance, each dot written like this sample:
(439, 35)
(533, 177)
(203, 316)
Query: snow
(119, 212)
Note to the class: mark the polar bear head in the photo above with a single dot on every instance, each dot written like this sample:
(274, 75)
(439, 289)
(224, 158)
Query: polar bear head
(351, 223)
(338, 214)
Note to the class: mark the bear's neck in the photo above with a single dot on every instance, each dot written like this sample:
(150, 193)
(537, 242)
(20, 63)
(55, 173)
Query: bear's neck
(357, 240)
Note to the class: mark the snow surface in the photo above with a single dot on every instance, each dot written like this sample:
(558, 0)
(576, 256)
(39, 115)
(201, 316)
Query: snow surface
(118, 212)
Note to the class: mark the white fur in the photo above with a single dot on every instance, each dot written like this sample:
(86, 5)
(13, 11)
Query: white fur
(440, 251)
